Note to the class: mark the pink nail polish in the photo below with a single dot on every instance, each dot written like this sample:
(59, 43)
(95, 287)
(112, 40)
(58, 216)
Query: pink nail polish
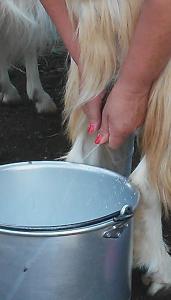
(91, 128)
(98, 139)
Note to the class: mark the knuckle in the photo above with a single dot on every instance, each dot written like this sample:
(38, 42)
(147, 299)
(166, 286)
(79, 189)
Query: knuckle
(103, 131)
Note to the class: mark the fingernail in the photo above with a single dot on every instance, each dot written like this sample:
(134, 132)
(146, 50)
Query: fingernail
(98, 139)
(91, 128)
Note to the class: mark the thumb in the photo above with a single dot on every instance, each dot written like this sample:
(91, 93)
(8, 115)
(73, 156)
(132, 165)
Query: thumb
(103, 135)
(92, 110)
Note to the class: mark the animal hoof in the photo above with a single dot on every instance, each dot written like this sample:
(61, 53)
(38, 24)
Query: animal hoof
(43, 102)
(156, 287)
(12, 98)
(156, 282)
(46, 107)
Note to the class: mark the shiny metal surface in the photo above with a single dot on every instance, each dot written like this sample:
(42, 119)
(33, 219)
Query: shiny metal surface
(120, 223)
(40, 259)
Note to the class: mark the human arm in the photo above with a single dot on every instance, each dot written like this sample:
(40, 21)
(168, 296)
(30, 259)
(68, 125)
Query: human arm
(57, 10)
(149, 52)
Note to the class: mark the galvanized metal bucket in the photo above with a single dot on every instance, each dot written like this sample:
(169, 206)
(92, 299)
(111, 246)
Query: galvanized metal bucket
(65, 232)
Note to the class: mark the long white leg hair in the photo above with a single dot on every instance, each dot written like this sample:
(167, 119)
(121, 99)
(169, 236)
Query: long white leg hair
(153, 178)
(104, 29)
(103, 46)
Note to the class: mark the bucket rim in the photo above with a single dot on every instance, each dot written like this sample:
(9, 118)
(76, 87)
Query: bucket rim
(89, 225)
(74, 226)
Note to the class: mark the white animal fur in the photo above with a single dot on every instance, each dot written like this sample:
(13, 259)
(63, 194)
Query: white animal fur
(104, 29)
(25, 32)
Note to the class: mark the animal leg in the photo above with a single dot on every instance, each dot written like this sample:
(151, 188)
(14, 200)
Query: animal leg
(35, 91)
(150, 251)
(9, 94)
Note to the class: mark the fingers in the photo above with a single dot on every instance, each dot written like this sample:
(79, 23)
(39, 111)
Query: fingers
(109, 134)
(103, 135)
(113, 141)
(92, 110)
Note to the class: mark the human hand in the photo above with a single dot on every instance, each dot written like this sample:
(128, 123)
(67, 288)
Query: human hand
(123, 113)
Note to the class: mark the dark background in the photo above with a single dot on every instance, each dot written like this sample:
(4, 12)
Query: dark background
(25, 135)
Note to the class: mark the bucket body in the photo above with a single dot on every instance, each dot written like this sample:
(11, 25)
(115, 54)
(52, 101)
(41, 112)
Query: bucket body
(63, 235)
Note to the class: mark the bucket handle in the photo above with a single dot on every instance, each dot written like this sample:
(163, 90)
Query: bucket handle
(120, 223)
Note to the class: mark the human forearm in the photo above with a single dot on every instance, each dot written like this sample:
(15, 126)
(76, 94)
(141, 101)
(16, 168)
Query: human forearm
(57, 10)
(149, 53)
(150, 48)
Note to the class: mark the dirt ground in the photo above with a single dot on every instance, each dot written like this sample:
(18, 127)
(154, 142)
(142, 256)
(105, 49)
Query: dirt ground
(25, 135)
